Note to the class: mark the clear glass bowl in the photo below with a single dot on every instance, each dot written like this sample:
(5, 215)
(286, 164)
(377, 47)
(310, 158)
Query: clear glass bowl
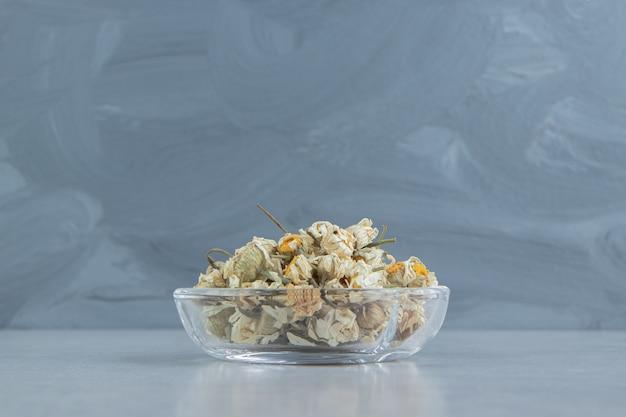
(311, 326)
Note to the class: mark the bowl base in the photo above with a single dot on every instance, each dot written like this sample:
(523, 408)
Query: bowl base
(307, 358)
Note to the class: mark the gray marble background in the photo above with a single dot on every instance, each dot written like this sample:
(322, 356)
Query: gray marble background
(490, 136)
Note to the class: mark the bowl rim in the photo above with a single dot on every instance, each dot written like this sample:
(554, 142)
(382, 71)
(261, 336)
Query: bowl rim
(191, 293)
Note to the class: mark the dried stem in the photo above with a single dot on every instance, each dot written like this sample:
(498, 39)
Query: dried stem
(381, 242)
(272, 218)
(219, 250)
(216, 250)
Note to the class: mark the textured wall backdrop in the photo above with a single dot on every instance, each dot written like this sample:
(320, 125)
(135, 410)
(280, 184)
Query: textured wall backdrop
(489, 135)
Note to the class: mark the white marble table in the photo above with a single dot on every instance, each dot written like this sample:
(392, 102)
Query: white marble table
(161, 373)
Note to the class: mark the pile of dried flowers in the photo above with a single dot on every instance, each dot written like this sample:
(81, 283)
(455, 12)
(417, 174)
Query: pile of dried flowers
(309, 264)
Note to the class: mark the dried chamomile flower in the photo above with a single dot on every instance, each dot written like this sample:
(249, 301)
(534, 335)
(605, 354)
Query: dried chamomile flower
(252, 330)
(249, 261)
(373, 316)
(306, 264)
(410, 318)
(372, 319)
(333, 239)
(363, 232)
(411, 273)
(340, 242)
(354, 274)
(397, 274)
(425, 278)
(304, 301)
(371, 256)
(331, 267)
(337, 326)
(292, 244)
(362, 275)
(299, 270)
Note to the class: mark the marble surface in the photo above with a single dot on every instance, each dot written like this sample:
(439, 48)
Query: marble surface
(490, 135)
(161, 373)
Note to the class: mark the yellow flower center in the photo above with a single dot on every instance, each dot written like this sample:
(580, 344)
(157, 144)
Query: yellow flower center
(419, 268)
(289, 244)
(397, 267)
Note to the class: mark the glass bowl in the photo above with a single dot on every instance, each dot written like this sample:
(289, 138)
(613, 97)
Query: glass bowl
(311, 325)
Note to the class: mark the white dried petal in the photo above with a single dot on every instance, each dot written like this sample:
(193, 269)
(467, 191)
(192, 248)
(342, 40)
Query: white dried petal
(298, 341)
(320, 229)
(340, 242)
(233, 281)
(217, 319)
(347, 273)
(371, 256)
(431, 279)
(281, 315)
(332, 267)
(369, 280)
(363, 232)
(211, 279)
(337, 326)
(299, 270)
(243, 328)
